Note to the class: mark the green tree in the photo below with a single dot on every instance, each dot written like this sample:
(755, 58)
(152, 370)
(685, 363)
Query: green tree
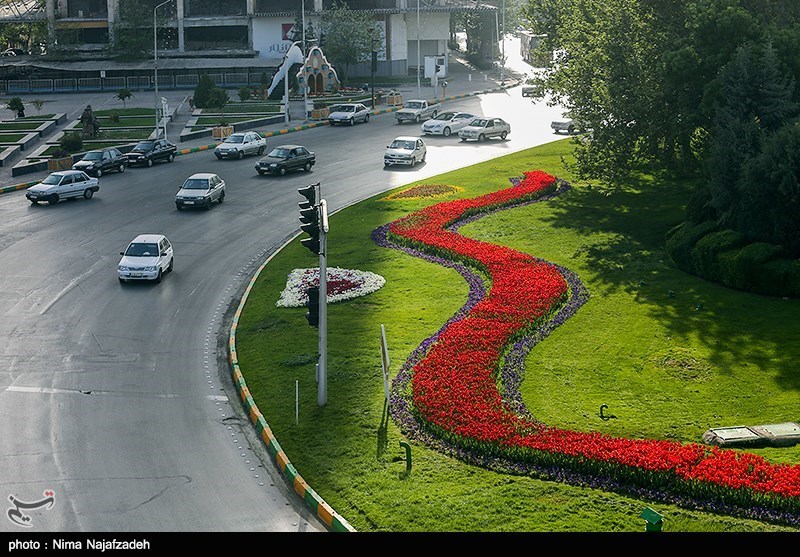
(38, 104)
(124, 95)
(133, 31)
(203, 91)
(15, 105)
(245, 93)
(348, 36)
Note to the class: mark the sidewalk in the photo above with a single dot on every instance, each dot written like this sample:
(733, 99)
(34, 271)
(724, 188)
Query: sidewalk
(463, 80)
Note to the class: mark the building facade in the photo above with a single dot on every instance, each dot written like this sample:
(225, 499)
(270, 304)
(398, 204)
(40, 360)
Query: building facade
(259, 29)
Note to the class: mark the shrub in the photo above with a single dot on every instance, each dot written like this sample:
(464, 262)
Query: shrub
(681, 240)
(774, 278)
(748, 262)
(705, 260)
(698, 209)
(71, 142)
(245, 94)
(113, 117)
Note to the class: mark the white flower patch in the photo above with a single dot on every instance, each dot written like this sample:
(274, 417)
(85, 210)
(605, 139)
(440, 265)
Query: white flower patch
(343, 284)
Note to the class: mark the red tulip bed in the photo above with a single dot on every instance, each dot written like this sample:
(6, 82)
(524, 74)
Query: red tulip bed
(459, 390)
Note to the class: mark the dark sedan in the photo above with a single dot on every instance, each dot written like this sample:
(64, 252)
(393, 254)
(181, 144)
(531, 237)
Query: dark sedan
(151, 151)
(285, 158)
(101, 161)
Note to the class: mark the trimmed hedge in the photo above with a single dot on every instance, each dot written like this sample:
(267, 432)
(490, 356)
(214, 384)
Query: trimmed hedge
(682, 239)
(722, 256)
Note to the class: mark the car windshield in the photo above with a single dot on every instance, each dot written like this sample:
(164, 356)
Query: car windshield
(143, 146)
(196, 184)
(279, 152)
(346, 108)
(142, 250)
(402, 144)
(52, 180)
(445, 116)
(479, 122)
(414, 105)
(463, 116)
(93, 156)
(235, 139)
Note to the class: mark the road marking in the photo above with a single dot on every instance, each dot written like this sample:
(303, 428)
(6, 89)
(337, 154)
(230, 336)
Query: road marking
(52, 391)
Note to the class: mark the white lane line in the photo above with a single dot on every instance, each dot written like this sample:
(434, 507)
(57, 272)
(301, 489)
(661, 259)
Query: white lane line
(52, 391)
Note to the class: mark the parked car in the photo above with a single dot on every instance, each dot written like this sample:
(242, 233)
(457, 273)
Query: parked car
(200, 190)
(566, 125)
(147, 257)
(349, 113)
(405, 150)
(151, 151)
(285, 158)
(100, 161)
(13, 52)
(484, 128)
(239, 144)
(63, 185)
(446, 123)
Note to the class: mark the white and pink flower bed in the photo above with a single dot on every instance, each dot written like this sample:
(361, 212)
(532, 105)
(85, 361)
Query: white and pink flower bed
(343, 284)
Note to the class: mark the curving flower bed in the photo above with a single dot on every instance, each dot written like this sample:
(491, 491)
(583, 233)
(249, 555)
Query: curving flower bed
(458, 391)
(342, 284)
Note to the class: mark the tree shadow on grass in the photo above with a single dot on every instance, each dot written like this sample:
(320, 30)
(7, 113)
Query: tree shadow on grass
(623, 231)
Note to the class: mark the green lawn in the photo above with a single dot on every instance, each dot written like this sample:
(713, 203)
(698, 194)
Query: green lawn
(668, 367)
(11, 137)
(21, 125)
(106, 122)
(210, 121)
(126, 112)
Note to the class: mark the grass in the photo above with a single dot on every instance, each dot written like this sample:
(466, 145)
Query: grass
(664, 368)
(30, 125)
(126, 112)
(215, 120)
(250, 107)
(106, 122)
(11, 138)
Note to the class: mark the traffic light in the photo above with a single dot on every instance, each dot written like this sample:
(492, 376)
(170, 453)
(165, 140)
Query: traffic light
(312, 315)
(309, 217)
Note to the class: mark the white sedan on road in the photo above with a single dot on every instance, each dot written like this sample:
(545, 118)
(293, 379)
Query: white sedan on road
(481, 129)
(446, 123)
(63, 185)
(349, 113)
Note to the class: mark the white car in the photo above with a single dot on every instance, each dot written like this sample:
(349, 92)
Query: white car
(147, 257)
(405, 150)
(239, 144)
(446, 123)
(349, 113)
(566, 125)
(62, 185)
(200, 190)
(481, 129)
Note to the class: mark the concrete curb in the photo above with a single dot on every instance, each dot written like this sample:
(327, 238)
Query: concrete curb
(331, 518)
(309, 126)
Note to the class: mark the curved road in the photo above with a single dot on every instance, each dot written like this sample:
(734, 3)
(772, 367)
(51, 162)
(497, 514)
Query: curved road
(118, 397)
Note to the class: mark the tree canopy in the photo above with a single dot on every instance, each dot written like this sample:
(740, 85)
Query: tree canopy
(348, 36)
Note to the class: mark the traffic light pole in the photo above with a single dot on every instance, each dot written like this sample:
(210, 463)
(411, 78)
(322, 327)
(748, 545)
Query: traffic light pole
(322, 387)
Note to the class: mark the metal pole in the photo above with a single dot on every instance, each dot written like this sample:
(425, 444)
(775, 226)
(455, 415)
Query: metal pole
(305, 75)
(419, 85)
(503, 44)
(155, 65)
(322, 390)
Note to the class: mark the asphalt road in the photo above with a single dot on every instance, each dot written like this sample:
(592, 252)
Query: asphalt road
(118, 397)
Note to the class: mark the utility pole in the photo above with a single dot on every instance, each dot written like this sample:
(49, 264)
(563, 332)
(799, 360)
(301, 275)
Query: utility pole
(155, 68)
(419, 85)
(305, 75)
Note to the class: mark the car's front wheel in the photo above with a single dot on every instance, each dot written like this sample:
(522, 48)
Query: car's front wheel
(219, 157)
(352, 121)
(240, 155)
(99, 173)
(171, 157)
(260, 172)
(171, 265)
(446, 132)
(222, 198)
(53, 199)
(366, 118)
(503, 135)
(261, 150)
(87, 193)
(121, 280)
(149, 162)
(307, 167)
(121, 168)
(158, 278)
(481, 137)
(282, 171)
(207, 205)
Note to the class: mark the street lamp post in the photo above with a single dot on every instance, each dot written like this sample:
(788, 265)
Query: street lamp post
(373, 61)
(305, 54)
(419, 86)
(155, 67)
